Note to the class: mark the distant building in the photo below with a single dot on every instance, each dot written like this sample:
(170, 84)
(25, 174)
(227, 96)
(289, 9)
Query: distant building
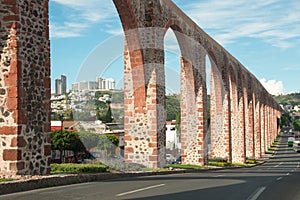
(58, 86)
(106, 84)
(297, 108)
(61, 85)
(99, 84)
(172, 140)
(63, 79)
(84, 85)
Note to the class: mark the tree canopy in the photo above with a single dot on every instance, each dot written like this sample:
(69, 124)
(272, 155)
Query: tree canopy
(296, 125)
(64, 140)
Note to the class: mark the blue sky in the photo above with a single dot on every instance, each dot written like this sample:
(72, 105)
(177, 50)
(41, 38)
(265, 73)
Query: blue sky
(87, 41)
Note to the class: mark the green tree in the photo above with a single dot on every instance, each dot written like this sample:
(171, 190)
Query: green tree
(285, 120)
(68, 114)
(74, 144)
(108, 143)
(118, 97)
(89, 140)
(296, 125)
(108, 116)
(66, 141)
(100, 104)
(83, 116)
(172, 106)
(58, 142)
(54, 116)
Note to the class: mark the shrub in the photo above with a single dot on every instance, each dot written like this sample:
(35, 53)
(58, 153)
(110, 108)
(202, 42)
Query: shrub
(271, 149)
(251, 161)
(269, 152)
(5, 179)
(180, 166)
(219, 164)
(71, 168)
(120, 165)
(217, 160)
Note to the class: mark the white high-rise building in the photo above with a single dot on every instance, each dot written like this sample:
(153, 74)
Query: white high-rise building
(58, 86)
(61, 85)
(106, 84)
(99, 84)
(63, 79)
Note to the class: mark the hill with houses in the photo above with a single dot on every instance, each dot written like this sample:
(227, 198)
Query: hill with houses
(292, 99)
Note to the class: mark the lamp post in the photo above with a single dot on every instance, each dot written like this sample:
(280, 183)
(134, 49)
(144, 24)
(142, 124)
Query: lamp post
(61, 118)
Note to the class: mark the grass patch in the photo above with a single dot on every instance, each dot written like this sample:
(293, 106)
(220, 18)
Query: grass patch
(219, 164)
(155, 169)
(71, 168)
(217, 160)
(251, 161)
(5, 179)
(271, 149)
(180, 166)
(269, 152)
(273, 145)
(239, 165)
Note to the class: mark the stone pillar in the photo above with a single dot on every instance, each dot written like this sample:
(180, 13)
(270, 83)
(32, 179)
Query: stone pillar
(220, 116)
(262, 128)
(257, 130)
(238, 122)
(268, 139)
(250, 124)
(144, 93)
(193, 120)
(25, 146)
(274, 129)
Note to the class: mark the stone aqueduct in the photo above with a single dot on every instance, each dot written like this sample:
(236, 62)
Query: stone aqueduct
(243, 119)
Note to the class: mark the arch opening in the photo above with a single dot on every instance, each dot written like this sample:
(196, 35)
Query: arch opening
(172, 96)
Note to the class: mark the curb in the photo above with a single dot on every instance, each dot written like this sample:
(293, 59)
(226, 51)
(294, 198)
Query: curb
(60, 180)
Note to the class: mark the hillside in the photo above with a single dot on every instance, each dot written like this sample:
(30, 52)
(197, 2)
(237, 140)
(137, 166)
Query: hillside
(293, 99)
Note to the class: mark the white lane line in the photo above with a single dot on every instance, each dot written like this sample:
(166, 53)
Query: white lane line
(278, 165)
(279, 178)
(220, 175)
(256, 194)
(139, 190)
(298, 165)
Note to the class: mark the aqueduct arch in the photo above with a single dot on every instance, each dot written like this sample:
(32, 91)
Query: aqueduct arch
(25, 90)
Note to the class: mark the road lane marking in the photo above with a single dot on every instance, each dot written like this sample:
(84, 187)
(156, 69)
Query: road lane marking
(278, 165)
(139, 190)
(298, 165)
(256, 194)
(220, 175)
(279, 178)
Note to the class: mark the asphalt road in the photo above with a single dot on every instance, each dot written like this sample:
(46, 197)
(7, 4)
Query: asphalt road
(278, 178)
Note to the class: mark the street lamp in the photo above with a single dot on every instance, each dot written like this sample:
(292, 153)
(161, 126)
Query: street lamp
(61, 118)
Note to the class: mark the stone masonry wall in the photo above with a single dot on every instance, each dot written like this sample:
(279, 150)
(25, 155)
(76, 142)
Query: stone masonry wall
(25, 89)
(25, 85)
(232, 128)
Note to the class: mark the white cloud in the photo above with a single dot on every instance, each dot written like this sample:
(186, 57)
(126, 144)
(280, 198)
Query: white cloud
(274, 21)
(272, 86)
(171, 43)
(75, 16)
(64, 31)
(115, 32)
(291, 68)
